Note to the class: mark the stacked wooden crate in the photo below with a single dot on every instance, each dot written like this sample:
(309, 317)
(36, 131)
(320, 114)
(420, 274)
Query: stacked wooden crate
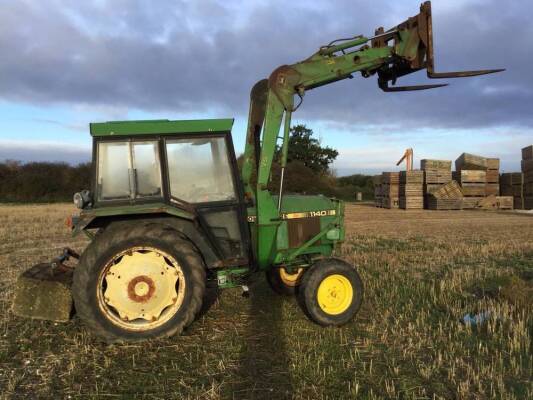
(471, 162)
(446, 197)
(436, 174)
(512, 184)
(473, 184)
(377, 190)
(496, 203)
(390, 189)
(412, 189)
(527, 170)
(478, 177)
(493, 177)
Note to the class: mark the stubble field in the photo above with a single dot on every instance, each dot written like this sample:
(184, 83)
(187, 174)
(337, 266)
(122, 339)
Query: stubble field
(422, 270)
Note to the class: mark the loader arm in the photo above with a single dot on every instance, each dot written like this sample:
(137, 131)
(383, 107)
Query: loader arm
(390, 54)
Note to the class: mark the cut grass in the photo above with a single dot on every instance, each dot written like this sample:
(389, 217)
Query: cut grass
(423, 271)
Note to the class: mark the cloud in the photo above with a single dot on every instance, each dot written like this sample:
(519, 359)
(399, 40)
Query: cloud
(72, 127)
(43, 151)
(206, 55)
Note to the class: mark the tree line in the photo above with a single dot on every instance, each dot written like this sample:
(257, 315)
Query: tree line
(308, 171)
(42, 182)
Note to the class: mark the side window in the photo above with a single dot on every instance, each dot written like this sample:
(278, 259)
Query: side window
(128, 170)
(147, 169)
(199, 170)
(113, 171)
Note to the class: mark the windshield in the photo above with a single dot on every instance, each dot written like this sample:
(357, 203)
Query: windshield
(199, 170)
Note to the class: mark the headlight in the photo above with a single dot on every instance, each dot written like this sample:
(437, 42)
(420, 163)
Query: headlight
(82, 199)
(78, 200)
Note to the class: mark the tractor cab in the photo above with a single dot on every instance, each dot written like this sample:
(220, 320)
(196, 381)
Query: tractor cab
(170, 167)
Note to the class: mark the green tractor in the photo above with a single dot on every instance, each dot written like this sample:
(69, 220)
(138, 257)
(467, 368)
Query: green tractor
(169, 210)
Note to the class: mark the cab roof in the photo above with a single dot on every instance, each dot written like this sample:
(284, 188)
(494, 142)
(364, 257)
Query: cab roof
(159, 126)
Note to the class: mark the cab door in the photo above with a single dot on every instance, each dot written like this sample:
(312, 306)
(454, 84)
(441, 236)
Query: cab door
(202, 171)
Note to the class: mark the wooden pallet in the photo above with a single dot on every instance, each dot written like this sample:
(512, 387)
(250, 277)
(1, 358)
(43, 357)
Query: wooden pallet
(470, 162)
(506, 190)
(390, 190)
(412, 177)
(436, 164)
(518, 202)
(451, 190)
(492, 189)
(493, 176)
(432, 176)
(390, 202)
(471, 202)
(493, 163)
(512, 178)
(444, 204)
(430, 188)
(412, 203)
(512, 190)
(496, 203)
(527, 153)
(412, 190)
(528, 189)
(390, 177)
(528, 203)
(470, 176)
(527, 166)
(474, 189)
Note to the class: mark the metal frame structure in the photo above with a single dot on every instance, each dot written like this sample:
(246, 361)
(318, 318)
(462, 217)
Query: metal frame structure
(399, 51)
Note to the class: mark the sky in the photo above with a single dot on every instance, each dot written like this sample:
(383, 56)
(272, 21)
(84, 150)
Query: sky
(65, 64)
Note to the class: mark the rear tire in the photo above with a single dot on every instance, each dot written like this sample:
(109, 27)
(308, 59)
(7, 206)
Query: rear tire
(161, 271)
(331, 292)
(283, 282)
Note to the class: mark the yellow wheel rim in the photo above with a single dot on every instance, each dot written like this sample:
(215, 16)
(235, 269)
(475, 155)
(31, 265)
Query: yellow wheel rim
(335, 294)
(141, 288)
(291, 279)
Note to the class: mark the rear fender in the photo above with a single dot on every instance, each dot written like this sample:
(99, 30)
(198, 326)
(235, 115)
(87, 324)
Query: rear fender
(188, 228)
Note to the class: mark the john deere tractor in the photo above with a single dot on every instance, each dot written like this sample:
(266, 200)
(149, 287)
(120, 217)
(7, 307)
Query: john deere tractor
(169, 210)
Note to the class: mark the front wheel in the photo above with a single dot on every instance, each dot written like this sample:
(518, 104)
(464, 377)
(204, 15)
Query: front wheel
(284, 282)
(331, 292)
(138, 282)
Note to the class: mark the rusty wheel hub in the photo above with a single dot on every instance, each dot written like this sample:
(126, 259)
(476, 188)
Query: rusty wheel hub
(141, 288)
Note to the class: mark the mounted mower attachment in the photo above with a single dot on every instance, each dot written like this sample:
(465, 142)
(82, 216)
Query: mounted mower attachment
(43, 291)
(413, 49)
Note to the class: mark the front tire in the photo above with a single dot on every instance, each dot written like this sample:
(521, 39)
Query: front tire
(137, 282)
(331, 292)
(283, 282)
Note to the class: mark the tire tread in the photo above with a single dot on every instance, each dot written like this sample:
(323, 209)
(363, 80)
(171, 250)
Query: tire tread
(122, 232)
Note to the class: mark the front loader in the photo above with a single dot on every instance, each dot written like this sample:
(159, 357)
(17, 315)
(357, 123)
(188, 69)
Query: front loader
(169, 211)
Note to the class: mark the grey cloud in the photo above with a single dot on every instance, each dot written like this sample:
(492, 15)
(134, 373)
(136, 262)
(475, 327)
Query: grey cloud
(205, 55)
(55, 152)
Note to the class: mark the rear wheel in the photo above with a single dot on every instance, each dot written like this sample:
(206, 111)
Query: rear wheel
(138, 282)
(331, 292)
(284, 282)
